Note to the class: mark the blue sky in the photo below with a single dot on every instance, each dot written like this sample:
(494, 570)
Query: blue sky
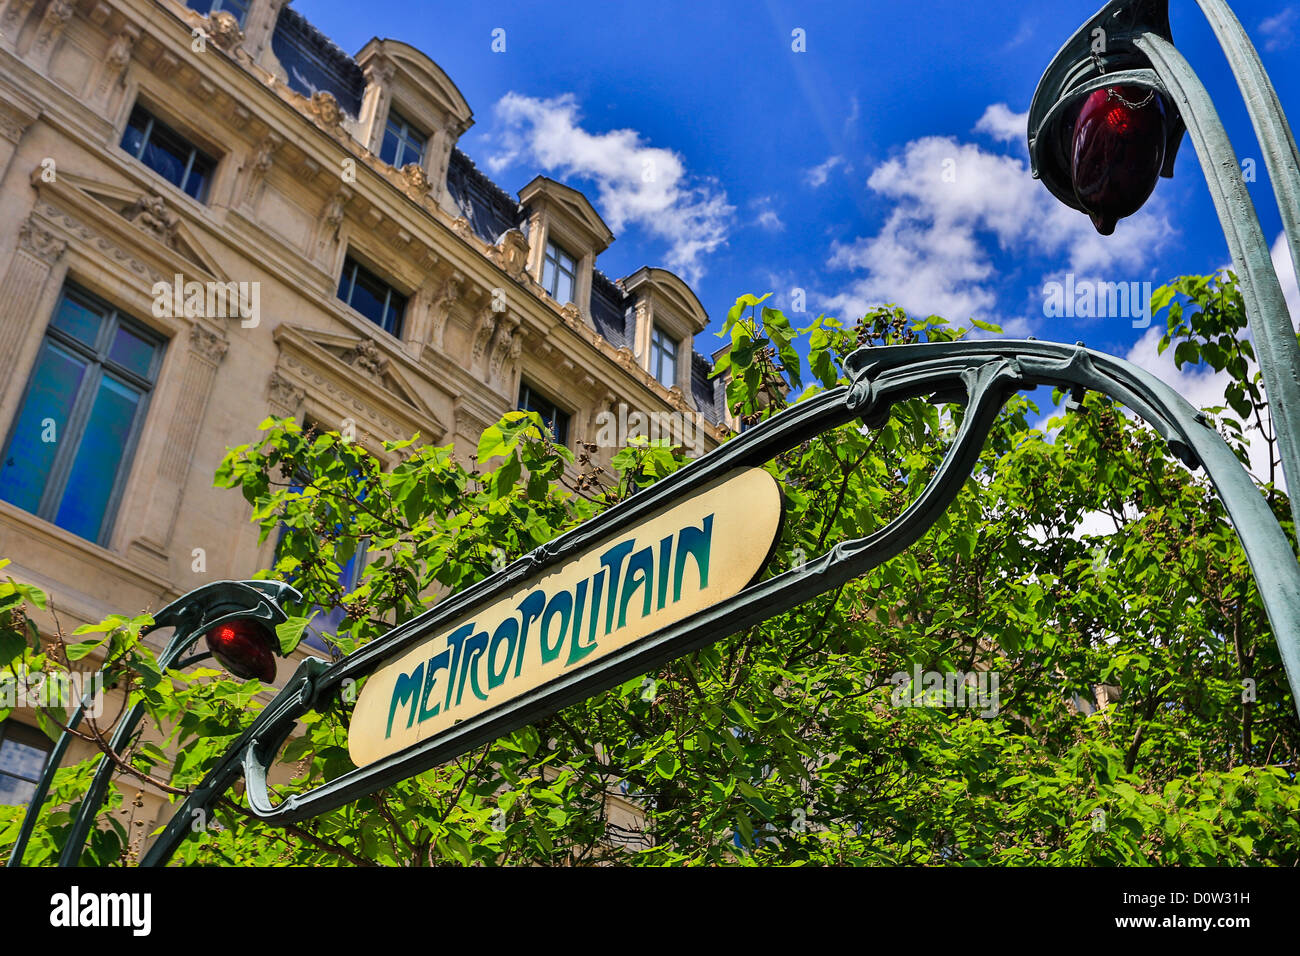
(772, 170)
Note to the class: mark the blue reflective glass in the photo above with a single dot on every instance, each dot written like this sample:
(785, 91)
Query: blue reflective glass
(164, 161)
(80, 321)
(132, 352)
(99, 456)
(55, 382)
(388, 152)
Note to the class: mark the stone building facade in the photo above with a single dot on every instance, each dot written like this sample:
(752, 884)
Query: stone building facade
(334, 256)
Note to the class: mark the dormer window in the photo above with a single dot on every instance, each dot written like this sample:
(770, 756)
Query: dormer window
(663, 357)
(236, 8)
(403, 143)
(168, 153)
(559, 271)
(372, 297)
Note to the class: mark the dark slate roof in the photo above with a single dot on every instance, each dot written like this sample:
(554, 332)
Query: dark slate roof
(489, 208)
(710, 394)
(313, 62)
(611, 311)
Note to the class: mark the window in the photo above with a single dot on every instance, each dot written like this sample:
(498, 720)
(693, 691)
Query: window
(71, 443)
(327, 621)
(168, 153)
(556, 420)
(236, 8)
(23, 751)
(403, 143)
(372, 297)
(663, 358)
(558, 272)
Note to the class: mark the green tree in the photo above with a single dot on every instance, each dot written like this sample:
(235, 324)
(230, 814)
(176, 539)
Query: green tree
(787, 743)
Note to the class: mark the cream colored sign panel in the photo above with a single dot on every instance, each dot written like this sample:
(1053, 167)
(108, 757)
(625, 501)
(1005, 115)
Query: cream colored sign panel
(688, 557)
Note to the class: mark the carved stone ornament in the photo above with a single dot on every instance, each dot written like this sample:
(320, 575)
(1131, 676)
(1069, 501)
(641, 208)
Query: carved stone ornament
(335, 209)
(264, 155)
(150, 213)
(417, 184)
(514, 253)
(366, 356)
(119, 52)
(57, 15)
(224, 30)
(285, 393)
(40, 242)
(572, 317)
(326, 110)
(460, 226)
(207, 343)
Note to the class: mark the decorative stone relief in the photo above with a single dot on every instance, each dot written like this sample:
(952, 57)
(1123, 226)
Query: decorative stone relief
(367, 357)
(511, 253)
(57, 15)
(40, 242)
(487, 323)
(150, 213)
(117, 59)
(14, 17)
(284, 395)
(440, 307)
(224, 30)
(508, 343)
(326, 109)
(415, 181)
(209, 344)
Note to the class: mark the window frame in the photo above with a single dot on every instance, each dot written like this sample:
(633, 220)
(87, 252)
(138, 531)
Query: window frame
(313, 636)
(97, 359)
(216, 6)
(558, 435)
(35, 735)
(554, 260)
(404, 133)
(196, 151)
(660, 339)
(359, 265)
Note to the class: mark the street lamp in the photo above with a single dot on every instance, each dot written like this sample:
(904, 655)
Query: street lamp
(1108, 116)
(238, 618)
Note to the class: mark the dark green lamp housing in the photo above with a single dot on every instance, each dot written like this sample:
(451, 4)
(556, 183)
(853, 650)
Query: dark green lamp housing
(1102, 127)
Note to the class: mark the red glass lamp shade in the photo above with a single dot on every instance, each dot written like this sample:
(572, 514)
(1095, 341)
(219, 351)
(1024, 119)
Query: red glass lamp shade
(1117, 151)
(245, 648)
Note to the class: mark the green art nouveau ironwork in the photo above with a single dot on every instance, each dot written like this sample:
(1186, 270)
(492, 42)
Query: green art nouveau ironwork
(1128, 43)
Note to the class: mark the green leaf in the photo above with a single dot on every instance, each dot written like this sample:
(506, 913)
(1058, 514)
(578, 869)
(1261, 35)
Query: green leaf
(289, 632)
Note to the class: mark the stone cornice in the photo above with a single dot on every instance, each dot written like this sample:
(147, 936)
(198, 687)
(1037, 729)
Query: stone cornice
(420, 230)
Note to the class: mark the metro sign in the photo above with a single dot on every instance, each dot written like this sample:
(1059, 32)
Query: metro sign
(683, 559)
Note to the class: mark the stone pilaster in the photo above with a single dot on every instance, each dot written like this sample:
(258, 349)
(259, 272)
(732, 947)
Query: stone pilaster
(207, 348)
(22, 289)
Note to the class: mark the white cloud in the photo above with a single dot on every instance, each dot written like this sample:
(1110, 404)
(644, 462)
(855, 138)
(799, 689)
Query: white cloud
(1286, 275)
(766, 217)
(1200, 385)
(1278, 30)
(817, 176)
(636, 183)
(1003, 125)
(952, 203)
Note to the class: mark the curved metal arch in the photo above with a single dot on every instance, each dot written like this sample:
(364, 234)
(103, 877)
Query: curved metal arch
(191, 616)
(984, 373)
